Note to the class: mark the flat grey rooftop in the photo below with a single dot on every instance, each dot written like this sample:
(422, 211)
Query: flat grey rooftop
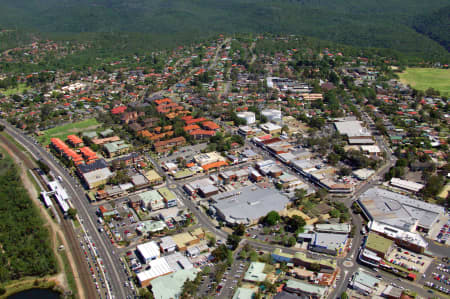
(248, 203)
(351, 128)
(399, 210)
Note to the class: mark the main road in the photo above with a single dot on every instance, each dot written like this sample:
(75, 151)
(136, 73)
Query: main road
(115, 274)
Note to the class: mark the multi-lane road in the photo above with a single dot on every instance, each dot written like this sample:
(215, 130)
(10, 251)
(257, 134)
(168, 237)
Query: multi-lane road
(114, 271)
(112, 262)
(111, 259)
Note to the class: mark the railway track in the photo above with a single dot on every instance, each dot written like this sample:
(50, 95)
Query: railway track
(81, 270)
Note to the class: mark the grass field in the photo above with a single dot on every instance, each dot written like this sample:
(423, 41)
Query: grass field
(424, 78)
(21, 87)
(68, 129)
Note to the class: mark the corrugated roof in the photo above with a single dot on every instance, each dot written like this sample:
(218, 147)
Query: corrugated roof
(158, 267)
(305, 287)
(99, 164)
(255, 272)
(148, 250)
(171, 286)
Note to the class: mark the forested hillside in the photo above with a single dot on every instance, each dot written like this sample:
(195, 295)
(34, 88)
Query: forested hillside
(387, 24)
(436, 25)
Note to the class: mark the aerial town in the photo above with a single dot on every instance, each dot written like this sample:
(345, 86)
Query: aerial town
(241, 167)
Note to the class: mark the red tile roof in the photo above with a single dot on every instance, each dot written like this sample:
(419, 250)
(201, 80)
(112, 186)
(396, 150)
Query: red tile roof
(210, 125)
(194, 120)
(162, 101)
(119, 110)
(202, 132)
(214, 165)
(88, 153)
(74, 139)
(191, 128)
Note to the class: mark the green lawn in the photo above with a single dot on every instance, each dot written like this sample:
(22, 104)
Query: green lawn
(424, 78)
(21, 87)
(68, 129)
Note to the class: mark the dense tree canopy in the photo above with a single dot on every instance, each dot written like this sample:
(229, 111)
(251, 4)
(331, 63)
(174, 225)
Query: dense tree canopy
(271, 218)
(24, 241)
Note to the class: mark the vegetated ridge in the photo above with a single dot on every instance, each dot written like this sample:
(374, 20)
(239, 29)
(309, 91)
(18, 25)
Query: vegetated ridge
(384, 24)
(436, 25)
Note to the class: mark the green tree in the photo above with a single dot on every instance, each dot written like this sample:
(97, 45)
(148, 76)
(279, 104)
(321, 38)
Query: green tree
(333, 158)
(46, 110)
(230, 258)
(43, 166)
(239, 229)
(300, 194)
(334, 213)
(356, 208)
(345, 171)
(433, 186)
(243, 255)
(220, 253)
(253, 256)
(271, 218)
(269, 287)
(295, 223)
(322, 193)
(211, 240)
(206, 270)
(233, 240)
(189, 289)
(291, 241)
(72, 213)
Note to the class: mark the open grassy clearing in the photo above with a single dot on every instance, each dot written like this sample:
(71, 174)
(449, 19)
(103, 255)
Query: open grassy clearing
(68, 129)
(21, 87)
(424, 78)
